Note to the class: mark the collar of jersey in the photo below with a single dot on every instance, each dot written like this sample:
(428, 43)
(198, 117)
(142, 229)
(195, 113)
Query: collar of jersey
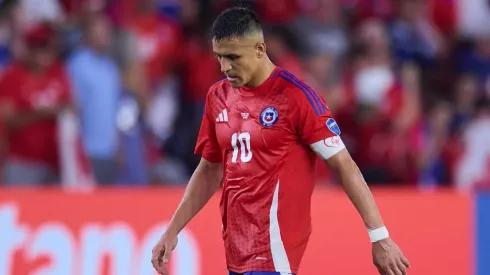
(262, 88)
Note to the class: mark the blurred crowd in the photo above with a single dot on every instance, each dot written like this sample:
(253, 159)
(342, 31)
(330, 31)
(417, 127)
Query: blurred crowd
(407, 80)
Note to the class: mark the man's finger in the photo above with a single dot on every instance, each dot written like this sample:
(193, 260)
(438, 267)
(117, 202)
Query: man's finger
(388, 271)
(155, 258)
(402, 267)
(160, 268)
(394, 268)
(405, 261)
(165, 259)
(167, 253)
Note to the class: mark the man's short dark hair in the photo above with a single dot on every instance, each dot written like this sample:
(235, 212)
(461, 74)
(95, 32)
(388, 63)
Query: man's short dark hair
(235, 22)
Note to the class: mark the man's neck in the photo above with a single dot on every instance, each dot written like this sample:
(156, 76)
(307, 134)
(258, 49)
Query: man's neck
(263, 73)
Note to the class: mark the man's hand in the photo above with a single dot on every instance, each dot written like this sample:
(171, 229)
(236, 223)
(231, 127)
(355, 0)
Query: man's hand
(387, 256)
(162, 251)
(203, 184)
(389, 259)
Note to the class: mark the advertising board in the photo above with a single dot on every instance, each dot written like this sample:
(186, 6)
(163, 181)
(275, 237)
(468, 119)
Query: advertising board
(112, 232)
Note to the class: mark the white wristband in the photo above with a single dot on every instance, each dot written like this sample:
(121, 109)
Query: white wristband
(378, 234)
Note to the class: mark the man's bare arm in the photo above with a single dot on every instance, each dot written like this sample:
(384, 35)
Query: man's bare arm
(205, 181)
(15, 120)
(356, 188)
(387, 256)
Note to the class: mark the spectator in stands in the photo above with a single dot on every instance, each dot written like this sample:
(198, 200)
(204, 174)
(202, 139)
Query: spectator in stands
(415, 38)
(156, 50)
(322, 40)
(272, 13)
(12, 32)
(473, 168)
(5, 37)
(384, 112)
(279, 49)
(149, 114)
(432, 145)
(477, 62)
(36, 11)
(32, 93)
(200, 70)
(321, 28)
(157, 40)
(97, 88)
(361, 10)
(466, 95)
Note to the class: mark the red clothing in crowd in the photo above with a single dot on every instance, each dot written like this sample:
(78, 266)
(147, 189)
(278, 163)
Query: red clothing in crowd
(375, 142)
(444, 15)
(202, 70)
(158, 42)
(25, 91)
(274, 13)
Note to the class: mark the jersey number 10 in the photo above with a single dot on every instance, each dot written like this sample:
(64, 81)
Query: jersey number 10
(246, 151)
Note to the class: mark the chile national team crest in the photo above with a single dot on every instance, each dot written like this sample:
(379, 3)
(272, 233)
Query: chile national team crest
(269, 116)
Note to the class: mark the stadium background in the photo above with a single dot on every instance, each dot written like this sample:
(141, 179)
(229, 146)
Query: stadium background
(407, 80)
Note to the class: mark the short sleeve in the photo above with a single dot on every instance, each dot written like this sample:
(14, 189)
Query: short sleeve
(315, 124)
(207, 145)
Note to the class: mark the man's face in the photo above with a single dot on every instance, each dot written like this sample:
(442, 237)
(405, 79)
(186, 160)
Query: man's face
(238, 58)
(100, 34)
(43, 56)
(412, 10)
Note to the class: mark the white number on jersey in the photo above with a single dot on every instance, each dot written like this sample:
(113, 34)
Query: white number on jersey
(246, 151)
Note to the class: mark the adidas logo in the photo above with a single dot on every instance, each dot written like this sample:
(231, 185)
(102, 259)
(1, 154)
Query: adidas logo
(223, 116)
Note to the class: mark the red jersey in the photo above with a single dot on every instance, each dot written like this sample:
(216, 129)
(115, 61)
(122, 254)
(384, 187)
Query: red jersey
(157, 45)
(266, 138)
(25, 91)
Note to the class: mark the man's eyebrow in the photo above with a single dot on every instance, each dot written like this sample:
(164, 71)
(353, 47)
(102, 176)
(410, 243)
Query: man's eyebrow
(226, 54)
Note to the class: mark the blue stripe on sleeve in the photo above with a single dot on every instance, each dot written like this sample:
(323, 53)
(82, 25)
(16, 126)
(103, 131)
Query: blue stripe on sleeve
(321, 106)
(315, 107)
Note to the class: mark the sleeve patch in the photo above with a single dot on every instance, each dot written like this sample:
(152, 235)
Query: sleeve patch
(333, 126)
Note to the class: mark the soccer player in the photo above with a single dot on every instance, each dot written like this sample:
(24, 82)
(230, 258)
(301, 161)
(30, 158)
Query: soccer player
(259, 138)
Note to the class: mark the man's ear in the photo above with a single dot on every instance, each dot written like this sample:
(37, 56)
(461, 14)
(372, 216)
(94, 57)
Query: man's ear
(261, 49)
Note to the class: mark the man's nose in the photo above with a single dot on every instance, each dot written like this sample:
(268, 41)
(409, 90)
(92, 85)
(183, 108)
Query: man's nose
(225, 65)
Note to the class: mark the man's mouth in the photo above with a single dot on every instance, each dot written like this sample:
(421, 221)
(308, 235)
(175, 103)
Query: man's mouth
(231, 78)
